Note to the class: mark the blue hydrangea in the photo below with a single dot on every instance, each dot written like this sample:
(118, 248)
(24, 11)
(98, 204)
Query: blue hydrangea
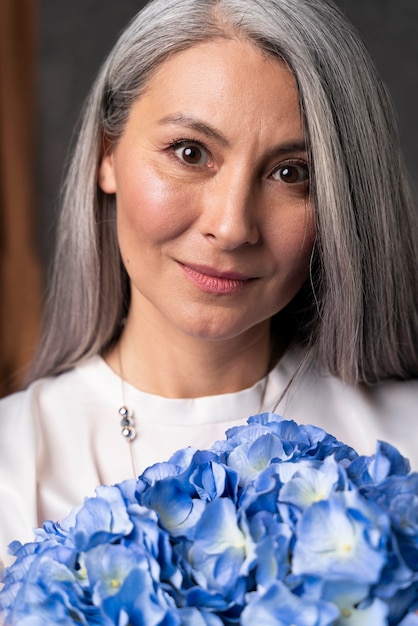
(278, 524)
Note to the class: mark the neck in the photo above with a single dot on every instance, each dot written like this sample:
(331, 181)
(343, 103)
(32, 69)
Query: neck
(175, 365)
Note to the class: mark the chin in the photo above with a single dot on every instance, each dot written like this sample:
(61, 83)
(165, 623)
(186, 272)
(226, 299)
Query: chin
(220, 328)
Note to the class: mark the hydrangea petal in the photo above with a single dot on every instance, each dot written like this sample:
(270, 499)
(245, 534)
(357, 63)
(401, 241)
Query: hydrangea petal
(309, 484)
(278, 606)
(333, 544)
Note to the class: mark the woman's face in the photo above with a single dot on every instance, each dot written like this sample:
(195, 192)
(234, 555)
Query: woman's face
(211, 179)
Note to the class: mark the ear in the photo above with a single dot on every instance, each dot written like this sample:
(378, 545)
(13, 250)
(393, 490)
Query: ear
(106, 174)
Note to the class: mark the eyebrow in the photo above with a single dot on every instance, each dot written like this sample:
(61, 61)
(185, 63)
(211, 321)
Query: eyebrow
(193, 123)
(288, 148)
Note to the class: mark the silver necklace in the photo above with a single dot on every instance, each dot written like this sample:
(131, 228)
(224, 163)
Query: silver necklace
(127, 420)
(127, 423)
(127, 417)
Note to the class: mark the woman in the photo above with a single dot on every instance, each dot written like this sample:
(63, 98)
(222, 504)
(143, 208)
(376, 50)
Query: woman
(236, 236)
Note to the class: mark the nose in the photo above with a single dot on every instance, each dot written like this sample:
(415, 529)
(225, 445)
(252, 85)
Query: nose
(228, 213)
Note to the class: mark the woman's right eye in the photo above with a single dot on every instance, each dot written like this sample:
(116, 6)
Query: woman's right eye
(191, 154)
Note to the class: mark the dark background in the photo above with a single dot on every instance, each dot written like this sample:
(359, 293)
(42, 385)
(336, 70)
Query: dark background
(75, 36)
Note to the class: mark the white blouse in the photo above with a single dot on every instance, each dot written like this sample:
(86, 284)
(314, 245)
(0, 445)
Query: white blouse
(61, 438)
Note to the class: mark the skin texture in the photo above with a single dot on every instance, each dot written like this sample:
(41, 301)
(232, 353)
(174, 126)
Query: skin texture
(214, 220)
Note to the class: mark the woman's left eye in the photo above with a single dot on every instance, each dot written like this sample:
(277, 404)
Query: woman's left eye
(192, 154)
(292, 173)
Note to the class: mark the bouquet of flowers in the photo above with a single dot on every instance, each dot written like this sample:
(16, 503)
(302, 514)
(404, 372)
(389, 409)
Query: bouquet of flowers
(279, 524)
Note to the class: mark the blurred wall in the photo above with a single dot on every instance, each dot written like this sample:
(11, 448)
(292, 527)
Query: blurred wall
(74, 38)
(389, 29)
(20, 270)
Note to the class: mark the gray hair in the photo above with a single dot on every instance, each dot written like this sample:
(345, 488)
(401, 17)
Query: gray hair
(357, 315)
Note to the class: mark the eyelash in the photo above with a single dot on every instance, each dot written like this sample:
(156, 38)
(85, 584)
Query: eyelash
(177, 144)
(299, 164)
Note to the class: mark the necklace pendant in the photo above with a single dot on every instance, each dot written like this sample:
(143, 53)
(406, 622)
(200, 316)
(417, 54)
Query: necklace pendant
(128, 431)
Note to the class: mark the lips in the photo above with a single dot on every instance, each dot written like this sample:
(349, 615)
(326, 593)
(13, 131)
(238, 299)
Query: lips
(214, 281)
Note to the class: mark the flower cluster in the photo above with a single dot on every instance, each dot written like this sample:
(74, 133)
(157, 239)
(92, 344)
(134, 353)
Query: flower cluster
(279, 524)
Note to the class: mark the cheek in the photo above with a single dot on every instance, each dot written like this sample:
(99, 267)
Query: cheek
(293, 248)
(149, 208)
(294, 242)
(304, 254)
(306, 240)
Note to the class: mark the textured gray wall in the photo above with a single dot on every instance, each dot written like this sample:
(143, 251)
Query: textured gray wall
(389, 29)
(75, 36)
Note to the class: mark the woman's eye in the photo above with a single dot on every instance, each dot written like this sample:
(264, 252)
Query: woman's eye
(293, 174)
(192, 154)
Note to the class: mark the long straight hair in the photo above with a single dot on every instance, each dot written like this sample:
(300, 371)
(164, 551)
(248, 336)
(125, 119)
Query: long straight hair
(357, 315)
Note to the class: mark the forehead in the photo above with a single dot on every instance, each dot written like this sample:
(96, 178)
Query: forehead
(227, 81)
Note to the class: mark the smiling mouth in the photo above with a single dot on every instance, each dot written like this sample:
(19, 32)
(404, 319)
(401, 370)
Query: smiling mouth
(215, 282)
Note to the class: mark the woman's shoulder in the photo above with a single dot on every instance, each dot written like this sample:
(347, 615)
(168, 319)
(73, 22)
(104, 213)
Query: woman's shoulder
(358, 415)
(395, 398)
(386, 396)
(388, 412)
(385, 400)
(46, 393)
